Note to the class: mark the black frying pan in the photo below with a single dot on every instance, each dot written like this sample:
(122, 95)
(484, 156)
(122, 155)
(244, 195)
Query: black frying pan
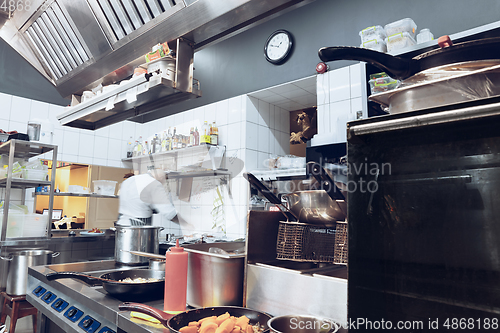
(174, 323)
(122, 290)
(401, 68)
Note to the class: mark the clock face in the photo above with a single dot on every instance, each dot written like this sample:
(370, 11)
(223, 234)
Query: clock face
(278, 46)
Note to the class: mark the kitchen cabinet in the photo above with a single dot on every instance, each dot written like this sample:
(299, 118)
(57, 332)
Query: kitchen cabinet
(23, 150)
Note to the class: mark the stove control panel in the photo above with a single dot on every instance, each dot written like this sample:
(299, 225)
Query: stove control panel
(49, 297)
(73, 314)
(89, 324)
(70, 314)
(60, 305)
(39, 291)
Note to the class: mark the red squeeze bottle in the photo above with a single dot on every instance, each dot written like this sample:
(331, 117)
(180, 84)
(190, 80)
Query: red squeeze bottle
(176, 267)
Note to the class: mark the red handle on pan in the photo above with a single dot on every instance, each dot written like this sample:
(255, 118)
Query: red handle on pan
(163, 317)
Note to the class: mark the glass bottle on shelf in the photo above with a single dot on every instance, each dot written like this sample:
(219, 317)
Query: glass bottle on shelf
(214, 135)
(196, 136)
(130, 147)
(191, 137)
(205, 134)
(164, 142)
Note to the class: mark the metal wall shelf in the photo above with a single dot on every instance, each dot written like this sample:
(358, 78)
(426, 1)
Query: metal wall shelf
(24, 183)
(83, 195)
(20, 149)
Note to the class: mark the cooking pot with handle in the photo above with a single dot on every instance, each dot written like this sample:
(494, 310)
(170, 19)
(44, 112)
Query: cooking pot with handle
(136, 238)
(18, 263)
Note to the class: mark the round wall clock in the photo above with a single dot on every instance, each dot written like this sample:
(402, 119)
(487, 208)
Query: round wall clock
(278, 47)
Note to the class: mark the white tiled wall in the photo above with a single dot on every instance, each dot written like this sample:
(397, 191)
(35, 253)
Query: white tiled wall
(339, 98)
(251, 130)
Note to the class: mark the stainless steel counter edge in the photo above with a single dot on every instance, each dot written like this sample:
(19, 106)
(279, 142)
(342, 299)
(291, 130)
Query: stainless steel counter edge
(89, 297)
(55, 239)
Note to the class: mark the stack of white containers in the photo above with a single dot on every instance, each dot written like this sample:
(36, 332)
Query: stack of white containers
(373, 38)
(393, 36)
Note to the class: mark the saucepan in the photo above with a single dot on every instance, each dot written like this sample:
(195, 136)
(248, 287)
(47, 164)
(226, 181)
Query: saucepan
(470, 73)
(324, 206)
(176, 322)
(114, 285)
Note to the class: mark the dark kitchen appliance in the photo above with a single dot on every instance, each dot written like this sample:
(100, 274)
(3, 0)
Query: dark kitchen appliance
(424, 231)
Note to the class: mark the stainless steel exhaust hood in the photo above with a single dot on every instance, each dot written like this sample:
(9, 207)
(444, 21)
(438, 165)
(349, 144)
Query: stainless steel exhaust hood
(79, 44)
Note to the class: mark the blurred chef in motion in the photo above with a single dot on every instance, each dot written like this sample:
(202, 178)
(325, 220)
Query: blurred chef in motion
(143, 195)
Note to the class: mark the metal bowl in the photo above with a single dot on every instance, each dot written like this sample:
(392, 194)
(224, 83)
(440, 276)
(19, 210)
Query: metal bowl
(316, 207)
(302, 324)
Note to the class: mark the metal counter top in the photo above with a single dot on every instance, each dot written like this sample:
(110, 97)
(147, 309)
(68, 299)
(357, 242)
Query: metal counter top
(58, 236)
(91, 300)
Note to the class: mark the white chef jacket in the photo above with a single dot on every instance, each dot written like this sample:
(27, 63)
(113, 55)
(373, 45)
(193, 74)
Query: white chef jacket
(140, 197)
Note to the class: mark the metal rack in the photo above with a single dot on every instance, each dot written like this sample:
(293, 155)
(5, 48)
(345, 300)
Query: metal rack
(24, 150)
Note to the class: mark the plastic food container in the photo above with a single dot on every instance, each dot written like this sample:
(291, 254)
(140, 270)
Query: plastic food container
(404, 25)
(399, 41)
(424, 35)
(164, 66)
(35, 174)
(377, 44)
(25, 225)
(35, 225)
(381, 84)
(373, 32)
(104, 187)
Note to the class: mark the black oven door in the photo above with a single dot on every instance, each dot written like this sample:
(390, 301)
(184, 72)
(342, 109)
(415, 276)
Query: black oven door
(424, 226)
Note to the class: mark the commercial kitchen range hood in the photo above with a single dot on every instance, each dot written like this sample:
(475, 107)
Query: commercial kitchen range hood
(79, 44)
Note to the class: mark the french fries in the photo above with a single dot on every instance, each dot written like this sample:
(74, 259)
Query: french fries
(225, 323)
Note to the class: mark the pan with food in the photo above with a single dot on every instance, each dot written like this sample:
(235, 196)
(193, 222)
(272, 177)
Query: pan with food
(226, 319)
(126, 285)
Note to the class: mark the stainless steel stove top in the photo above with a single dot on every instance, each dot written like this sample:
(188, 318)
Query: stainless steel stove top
(74, 306)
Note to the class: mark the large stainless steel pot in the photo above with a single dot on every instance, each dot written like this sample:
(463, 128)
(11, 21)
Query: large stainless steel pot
(136, 238)
(17, 276)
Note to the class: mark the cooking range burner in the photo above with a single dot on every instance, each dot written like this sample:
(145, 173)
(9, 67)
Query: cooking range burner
(75, 306)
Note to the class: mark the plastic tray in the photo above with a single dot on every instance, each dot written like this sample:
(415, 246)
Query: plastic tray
(377, 44)
(104, 187)
(404, 25)
(382, 84)
(373, 32)
(399, 41)
(34, 174)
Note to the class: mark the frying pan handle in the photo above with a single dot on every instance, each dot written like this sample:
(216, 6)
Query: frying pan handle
(444, 41)
(163, 317)
(269, 196)
(327, 183)
(396, 67)
(73, 275)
